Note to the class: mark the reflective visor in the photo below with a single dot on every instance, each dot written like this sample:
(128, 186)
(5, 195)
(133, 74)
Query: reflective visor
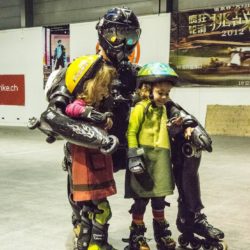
(119, 35)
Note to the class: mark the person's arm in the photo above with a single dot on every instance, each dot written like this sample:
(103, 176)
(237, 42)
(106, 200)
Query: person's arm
(55, 124)
(55, 54)
(76, 108)
(79, 109)
(190, 127)
(64, 55)
(135, 153)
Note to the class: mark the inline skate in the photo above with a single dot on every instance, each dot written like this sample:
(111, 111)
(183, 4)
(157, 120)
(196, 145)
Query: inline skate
(136, 239)
(199, 234)
(162, 236)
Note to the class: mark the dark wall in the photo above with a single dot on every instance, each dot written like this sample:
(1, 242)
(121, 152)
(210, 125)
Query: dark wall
(15, 14)
(52, 12)
(10, 14)
(64, 11)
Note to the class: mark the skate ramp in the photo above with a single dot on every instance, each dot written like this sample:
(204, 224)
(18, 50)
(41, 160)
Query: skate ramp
(228, 120)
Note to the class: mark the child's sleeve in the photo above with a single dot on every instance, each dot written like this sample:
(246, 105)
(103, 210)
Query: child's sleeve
(135, 120)
(75, 109)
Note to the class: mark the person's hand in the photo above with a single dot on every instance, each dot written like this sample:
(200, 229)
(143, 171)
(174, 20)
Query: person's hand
(187, 133)
(177, 121)
(108, 125)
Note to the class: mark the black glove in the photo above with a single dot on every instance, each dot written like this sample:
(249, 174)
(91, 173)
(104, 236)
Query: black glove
(135, 160)
(201, 139)
(91, 115)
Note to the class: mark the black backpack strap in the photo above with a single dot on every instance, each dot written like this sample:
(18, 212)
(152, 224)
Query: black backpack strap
(143, 118)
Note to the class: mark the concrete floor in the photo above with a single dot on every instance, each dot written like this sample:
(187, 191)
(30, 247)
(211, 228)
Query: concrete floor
(35, 214)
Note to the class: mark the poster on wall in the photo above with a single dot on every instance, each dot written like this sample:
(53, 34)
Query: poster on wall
(211, 47)
(56, 49)
(12, 90)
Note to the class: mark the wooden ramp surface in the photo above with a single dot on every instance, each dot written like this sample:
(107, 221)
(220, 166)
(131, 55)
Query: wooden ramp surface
(228, 120)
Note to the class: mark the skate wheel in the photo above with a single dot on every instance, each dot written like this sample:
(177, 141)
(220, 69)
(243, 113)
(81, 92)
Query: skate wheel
(195, 243)
(50, 139)
(144, 248)
(182, 241)
(33, 123)
(222, 246)
(207, 246)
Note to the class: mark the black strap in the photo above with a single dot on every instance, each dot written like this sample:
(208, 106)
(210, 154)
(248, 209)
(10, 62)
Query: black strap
(143, 119)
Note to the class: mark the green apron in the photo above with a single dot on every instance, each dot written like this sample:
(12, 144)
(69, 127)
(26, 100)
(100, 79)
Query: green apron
(149, 131)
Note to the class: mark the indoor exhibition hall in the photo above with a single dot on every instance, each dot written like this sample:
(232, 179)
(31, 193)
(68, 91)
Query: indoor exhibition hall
(124, 125)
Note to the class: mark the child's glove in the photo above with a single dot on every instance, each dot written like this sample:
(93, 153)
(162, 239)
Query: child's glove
(135, 160)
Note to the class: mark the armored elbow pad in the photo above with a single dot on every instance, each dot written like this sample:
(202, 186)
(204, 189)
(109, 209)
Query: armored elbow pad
(55, 90)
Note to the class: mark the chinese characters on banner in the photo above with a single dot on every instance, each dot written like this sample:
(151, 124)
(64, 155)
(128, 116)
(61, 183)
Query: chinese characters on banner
(212, 46)
(12, 90)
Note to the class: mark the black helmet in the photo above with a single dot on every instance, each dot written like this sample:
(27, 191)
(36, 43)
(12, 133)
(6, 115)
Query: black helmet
(118, 32)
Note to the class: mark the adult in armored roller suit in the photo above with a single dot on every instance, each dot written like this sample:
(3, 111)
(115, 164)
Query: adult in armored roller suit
(119, 32)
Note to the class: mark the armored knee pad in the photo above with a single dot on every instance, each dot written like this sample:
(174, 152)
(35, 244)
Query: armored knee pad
(103, 213)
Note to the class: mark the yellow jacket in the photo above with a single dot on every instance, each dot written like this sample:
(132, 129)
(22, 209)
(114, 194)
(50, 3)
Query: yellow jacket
(148, 129)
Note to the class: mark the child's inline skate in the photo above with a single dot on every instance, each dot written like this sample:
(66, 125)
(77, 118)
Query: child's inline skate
(162, 236)
(136, 240)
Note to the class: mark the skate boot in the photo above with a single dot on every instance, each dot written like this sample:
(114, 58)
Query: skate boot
(210, 237)
(136, 240)
(82, 231)
(99, 237)
(162, 236)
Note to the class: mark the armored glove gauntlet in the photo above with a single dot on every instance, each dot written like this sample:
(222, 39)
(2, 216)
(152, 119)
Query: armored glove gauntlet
(91, 115)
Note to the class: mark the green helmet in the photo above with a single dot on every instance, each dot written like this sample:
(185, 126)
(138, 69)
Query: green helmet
(156, 72)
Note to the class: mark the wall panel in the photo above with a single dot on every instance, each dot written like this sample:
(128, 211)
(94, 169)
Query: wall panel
(21, 53)
(58, 12)
(198, 4)
(10, 14)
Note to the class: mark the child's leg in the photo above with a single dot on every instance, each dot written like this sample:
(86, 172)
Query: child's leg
(136, 240)
(138, 210)
(162, 234)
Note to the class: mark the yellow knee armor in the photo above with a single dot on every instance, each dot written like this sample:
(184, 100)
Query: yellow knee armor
(106, 214)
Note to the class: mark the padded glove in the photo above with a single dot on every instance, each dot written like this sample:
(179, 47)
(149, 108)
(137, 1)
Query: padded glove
(91, 115)
(135, 160)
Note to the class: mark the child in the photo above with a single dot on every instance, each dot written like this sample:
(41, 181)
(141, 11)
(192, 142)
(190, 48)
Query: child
(149, 174)
(89, 79)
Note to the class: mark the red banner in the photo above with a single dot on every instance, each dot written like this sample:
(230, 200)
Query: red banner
(12, 91)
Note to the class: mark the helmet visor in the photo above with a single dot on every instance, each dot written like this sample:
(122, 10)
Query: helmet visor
(121, 35)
